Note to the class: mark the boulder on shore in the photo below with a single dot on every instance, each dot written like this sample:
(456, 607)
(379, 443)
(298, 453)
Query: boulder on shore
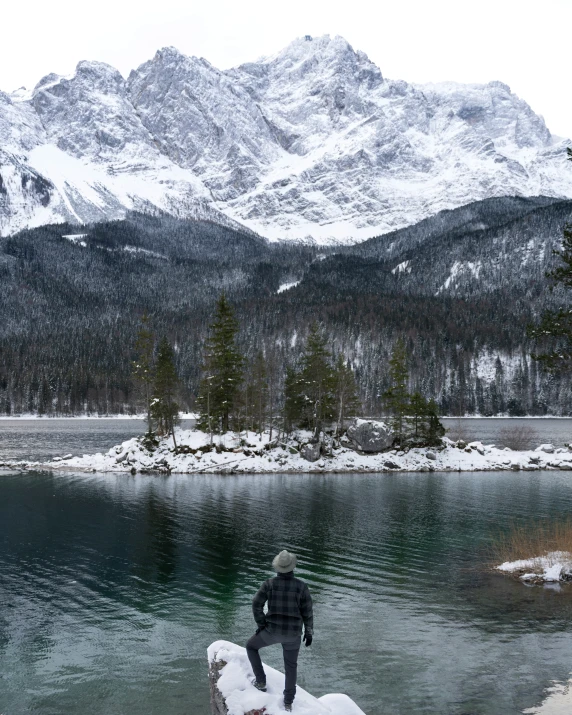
(370, 435)
(311, 452)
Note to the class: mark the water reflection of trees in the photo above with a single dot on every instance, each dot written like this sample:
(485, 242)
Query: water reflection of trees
(155, 551)
(414, 518)
(239, 528)
(223, 548)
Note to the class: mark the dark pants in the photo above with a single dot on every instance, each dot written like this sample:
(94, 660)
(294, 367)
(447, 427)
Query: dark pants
(290, 649)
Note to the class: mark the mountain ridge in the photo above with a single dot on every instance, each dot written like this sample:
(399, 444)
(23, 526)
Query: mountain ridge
(312, 142)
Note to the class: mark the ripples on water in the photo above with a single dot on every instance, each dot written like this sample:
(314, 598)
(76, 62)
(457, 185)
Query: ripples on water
(112, 587)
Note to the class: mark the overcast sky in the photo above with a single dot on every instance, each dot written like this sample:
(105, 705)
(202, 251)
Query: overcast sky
(523, 43)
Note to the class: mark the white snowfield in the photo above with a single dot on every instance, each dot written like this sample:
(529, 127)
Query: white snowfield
(242, 697)
(310, 143)
(248, 453)
(553, 567)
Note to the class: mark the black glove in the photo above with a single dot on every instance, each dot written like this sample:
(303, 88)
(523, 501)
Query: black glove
(307, 639)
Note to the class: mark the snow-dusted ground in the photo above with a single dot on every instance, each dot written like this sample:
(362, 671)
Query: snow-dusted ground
(242, 697)
(554, 566)
(249, 452)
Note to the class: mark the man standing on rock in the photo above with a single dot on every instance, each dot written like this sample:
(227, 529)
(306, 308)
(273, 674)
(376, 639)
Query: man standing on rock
(289, 606)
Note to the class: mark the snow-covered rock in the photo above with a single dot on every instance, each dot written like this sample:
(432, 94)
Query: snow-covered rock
(311, 142)
(370, 435)
(311, 451)
(553, 567)
(232, 692)
(548, 448)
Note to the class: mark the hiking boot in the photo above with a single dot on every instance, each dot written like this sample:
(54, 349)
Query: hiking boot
(288, 707)
(258, 685)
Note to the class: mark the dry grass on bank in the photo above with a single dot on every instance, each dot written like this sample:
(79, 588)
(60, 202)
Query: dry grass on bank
(532, 541)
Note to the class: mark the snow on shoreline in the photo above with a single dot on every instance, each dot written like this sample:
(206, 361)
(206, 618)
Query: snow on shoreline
(553, 567)
(240, 696)
(250, 453)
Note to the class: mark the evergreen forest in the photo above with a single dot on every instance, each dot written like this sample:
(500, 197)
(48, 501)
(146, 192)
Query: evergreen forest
(459, 290)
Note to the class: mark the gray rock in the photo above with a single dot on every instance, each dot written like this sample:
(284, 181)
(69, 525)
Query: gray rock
(218, 704)
(430, 455)
(370, 436)
(311, 452)
(390, 465)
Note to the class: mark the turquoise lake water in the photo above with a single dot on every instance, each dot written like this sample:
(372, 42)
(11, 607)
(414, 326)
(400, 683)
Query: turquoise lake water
(112, 587)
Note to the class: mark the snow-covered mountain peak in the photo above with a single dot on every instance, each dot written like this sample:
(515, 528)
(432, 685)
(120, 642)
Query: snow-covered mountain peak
(203, 119)
(88, 115)
(311, 142)
(493, 110)
(323, 48)
(91, 75)
(312, 61)
(99, 75)
(22, 94)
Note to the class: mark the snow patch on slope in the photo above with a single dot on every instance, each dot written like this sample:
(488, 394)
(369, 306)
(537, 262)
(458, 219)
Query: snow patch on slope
(404, 267)
(460, 269)
(287, 286)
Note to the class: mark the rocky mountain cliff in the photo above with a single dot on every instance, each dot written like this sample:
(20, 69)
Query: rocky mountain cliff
(312, 142)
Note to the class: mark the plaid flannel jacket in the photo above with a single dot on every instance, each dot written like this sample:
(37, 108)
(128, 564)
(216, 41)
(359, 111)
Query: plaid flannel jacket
(289, 605)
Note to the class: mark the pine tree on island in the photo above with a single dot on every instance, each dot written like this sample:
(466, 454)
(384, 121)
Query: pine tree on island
(397, 399)
(273, 369)
(309, 394)
(425, 428)
(143, 369)
(293, 400)
(223, 365)
(346, 393)
(413, 419)
(164, 408)
(257, 392)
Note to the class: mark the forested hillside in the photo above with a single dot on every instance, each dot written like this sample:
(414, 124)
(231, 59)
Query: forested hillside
(459, 287)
